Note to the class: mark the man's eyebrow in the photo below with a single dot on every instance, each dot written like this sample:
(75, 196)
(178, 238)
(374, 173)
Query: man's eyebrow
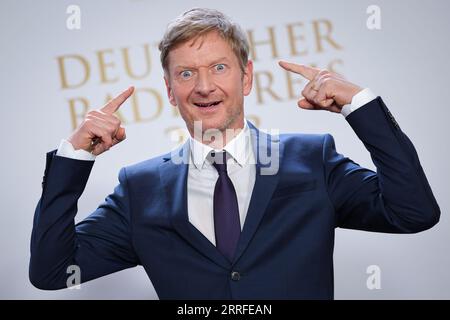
(225, 59)
(222, 59)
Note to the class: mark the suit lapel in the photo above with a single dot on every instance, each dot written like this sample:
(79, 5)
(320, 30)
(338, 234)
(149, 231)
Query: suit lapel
(268, 152)
(173, 174)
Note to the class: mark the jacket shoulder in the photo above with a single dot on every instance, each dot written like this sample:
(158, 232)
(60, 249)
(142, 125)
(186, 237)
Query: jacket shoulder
(303, 140)
(304, 147)
(145, 167)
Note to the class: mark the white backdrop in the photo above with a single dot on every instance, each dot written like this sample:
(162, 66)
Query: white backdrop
(406, 62)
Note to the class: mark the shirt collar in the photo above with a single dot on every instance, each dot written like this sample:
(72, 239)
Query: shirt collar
(238, 148)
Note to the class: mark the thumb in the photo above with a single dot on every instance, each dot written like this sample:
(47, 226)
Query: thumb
(304, 104)
(120, 135)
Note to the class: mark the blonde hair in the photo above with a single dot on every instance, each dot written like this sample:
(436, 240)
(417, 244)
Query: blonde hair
(200, 21)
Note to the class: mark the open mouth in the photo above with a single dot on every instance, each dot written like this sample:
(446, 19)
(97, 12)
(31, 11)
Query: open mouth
(207, 104)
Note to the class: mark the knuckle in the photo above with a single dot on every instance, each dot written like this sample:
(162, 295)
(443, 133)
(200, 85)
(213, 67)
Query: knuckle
(327, 83)
(112, 119)
(107, 146)
(336, 75)
(107, 138)
(90, 118)
(309, 97)
(92, 113)
(87, 122)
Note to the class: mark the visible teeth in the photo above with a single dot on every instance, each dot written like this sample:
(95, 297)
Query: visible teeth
(207, 104)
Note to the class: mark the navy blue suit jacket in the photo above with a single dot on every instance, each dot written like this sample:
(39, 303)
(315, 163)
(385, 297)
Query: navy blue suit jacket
(286, 247)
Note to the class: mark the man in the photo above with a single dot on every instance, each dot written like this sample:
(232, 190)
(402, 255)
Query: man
(213, 220)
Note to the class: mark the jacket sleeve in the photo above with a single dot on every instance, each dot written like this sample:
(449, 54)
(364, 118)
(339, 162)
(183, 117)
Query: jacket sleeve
(99, 245)
(395, 199)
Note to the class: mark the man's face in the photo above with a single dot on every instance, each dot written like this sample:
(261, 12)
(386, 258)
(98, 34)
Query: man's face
(205, 81)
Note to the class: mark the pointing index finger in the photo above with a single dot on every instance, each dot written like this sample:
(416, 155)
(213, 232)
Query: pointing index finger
(113, 105)
(301, 69)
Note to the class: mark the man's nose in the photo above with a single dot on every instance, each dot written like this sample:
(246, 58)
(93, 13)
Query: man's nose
(205, 83)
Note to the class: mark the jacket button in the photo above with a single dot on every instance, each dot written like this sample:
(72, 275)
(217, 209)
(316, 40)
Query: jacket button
(235, 276)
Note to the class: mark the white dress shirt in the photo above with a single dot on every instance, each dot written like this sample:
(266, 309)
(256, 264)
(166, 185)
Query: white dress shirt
(202, 176)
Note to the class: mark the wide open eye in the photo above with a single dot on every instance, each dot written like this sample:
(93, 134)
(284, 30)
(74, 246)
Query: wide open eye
(220, 67)
(186, 74)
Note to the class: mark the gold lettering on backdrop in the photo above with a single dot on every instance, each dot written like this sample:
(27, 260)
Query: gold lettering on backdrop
(127, 63)
(267, 87)
(104, 65)
(77, 115)
(136, 106)
(332, 65)
(301, 42)
(319, 36)
(118, 113)
(292, 79)
(293, 39)
(63, 74)
(254, 43)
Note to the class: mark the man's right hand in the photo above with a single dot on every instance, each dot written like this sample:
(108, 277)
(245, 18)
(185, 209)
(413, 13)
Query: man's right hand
(101, 129)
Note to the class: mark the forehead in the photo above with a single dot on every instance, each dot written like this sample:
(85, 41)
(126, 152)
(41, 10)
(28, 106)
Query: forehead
(201, 50)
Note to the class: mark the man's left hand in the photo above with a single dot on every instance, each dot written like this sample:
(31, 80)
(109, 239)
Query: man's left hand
(325, 90)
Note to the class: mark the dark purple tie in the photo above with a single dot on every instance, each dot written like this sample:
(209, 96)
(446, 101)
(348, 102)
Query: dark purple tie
(227, 225)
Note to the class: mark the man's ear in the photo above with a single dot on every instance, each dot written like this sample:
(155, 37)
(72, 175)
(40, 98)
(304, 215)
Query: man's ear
(169, 91)
(248, 78)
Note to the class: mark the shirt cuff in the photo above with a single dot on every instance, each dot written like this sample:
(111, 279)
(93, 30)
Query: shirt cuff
(361, 98)
(66, 150)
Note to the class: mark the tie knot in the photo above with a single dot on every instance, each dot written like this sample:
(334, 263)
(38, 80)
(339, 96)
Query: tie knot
(219, 161)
